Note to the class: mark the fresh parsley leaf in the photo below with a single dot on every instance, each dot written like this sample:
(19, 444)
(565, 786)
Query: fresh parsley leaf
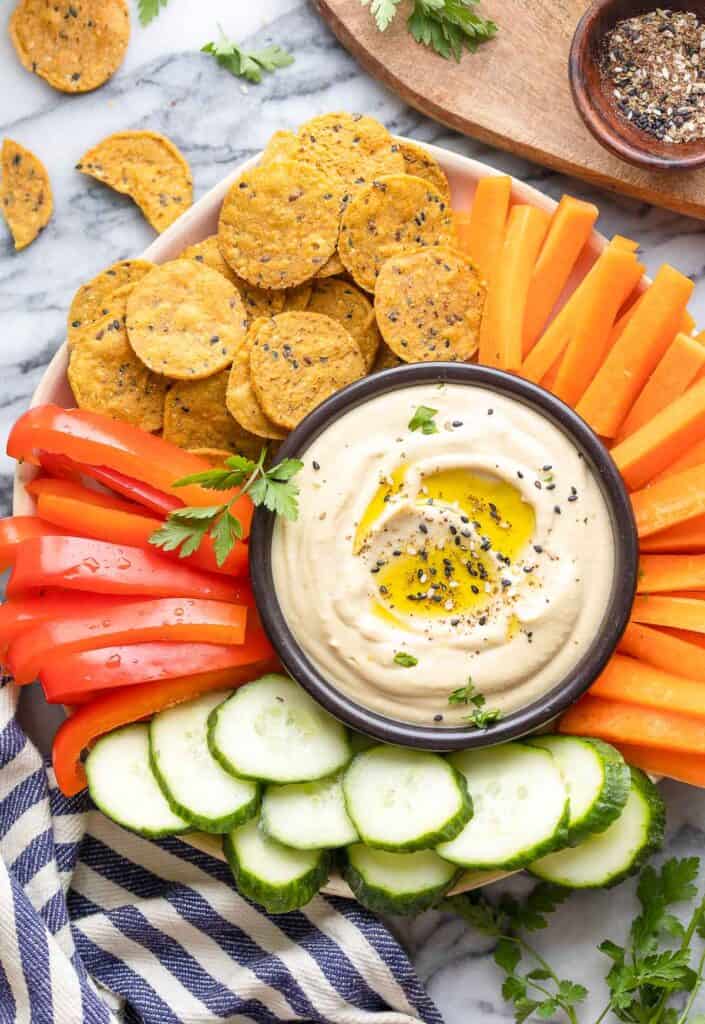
(247, 64)
(462, 695)
(423, 420)
(571, 993)
(481, 718)
(405, 660)
(274, 488)
(149, 9)
(383, 11)
(476, 909)
(449, 26)
(507, 955)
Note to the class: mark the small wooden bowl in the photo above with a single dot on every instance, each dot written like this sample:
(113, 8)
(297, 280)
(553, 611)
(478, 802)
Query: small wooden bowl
(593, 97)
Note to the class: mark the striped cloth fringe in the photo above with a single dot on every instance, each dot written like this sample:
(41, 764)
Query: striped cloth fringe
(98, 926)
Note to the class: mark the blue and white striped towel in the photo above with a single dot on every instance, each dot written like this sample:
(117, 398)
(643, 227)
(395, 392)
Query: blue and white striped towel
(99, 925)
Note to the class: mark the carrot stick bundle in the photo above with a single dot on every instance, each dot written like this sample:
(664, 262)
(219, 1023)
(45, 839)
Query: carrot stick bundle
(630, 724)
(503, 317)
(570, 229)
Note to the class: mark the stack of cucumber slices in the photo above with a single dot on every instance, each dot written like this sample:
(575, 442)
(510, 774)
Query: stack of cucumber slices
(295, 796)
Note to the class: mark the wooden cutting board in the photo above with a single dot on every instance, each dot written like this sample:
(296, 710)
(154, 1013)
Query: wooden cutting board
(512, 93)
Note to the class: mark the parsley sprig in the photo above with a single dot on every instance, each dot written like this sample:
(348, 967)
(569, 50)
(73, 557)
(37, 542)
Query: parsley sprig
(247, 64)
(274, 488)
(446, 26)
(650, 975)
(149, 9)
(423, 420)
(480, 717)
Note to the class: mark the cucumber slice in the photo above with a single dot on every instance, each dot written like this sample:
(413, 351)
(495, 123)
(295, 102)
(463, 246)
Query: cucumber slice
(397, 883)
(275, 876)
(400, 799)
(308, 815)
(604, 860)
(194, 784)
(122, 786)
(273, 731)
(521, 807)
(597, 779)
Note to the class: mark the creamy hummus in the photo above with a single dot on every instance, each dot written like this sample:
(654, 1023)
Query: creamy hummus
(480, 552)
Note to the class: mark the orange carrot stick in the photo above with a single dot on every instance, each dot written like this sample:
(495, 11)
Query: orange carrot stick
(636, 353)
(663, 650)
(676, 612)
(488, 216)
(676, 371)
(683, 537)
(693, 456)
(674, 499)
(654, 446)
(503, 317)
(659, 574)
(634, 682)
(688, 768)
(570, 229)
(628, 723)
(616, 276)
(557, 335)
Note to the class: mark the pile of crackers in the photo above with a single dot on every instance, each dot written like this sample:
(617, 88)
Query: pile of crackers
(335, 257)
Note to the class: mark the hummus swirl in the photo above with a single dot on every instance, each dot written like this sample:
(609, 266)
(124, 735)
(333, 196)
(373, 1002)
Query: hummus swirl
(480, 551)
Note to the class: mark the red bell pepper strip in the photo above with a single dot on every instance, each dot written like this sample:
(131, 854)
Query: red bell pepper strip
(138, 492)
(77, 517)
(169, 618)
(66, 488)
(121, 707)
(16, 529)
(24, 614)
(94, 440)
(80, 563)
(69, 678)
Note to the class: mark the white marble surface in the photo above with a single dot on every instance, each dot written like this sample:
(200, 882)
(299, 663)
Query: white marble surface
(167, 85)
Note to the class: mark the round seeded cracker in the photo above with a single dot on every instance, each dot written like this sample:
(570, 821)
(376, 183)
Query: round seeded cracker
(257, 301)
(107, 377)
(104, 295)
(332, 268)
(419, 162)
(350, 149)
(429, 305)
(241, 400)
(297, 298)
(350, 307)
(297, 360)
(195, 416)
(74, 45)
(283, 145)
(279, 224)
(25, 193)
(392, 216)
(185, 321)
(147, 167)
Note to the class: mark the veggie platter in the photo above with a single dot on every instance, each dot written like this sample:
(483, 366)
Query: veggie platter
(129, 596)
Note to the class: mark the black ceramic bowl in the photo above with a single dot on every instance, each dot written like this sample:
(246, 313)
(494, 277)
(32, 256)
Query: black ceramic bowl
(541, 711)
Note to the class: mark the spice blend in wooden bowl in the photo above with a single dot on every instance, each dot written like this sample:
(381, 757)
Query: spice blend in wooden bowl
(655, 66)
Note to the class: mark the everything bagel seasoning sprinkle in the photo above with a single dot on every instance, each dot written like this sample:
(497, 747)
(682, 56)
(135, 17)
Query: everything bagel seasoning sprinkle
(655, 66)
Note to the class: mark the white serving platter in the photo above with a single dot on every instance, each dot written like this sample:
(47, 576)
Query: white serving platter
(200, 221)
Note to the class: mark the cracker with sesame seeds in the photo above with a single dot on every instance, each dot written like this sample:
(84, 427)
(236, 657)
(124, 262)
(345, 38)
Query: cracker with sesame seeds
(392, 216)
(104, 295)
(333, 267)
(350, 149)
(25, 193)
(257, 301)
(74, 45)
(297, 360)
(147, 167)
(279, 224)
(297, 298)
(283, 145)
(386, 359)
(107, 377)
(185, 321)
(195, 416)
(429, 305)
(350, 307)
(241, 400)
(419, 162)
